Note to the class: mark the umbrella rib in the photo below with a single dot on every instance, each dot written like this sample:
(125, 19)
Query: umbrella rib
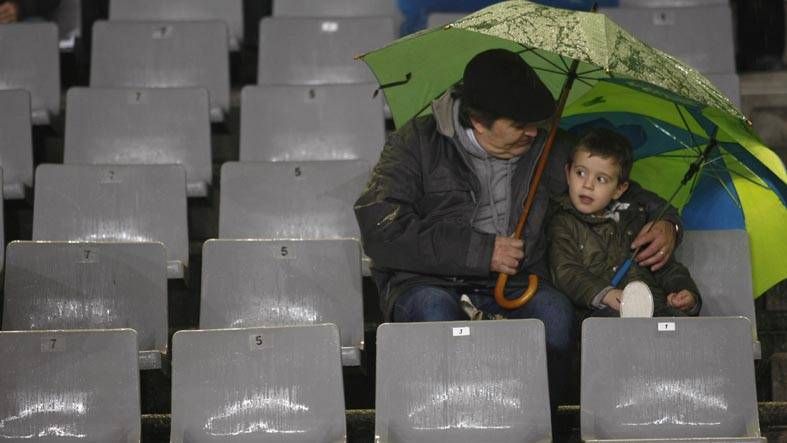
(666, 132)
(563, 60)
(686, 125)
(550, 71)
(585, 82)
(726, 188)
(589, 72)
(554, 65)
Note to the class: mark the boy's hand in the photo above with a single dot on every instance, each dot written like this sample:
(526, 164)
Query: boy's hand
(612, 299)
(683, 300)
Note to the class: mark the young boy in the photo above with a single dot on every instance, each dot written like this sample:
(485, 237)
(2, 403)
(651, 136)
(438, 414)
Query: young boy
(591, 231)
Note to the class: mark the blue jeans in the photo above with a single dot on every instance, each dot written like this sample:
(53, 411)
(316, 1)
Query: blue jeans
(434, 303)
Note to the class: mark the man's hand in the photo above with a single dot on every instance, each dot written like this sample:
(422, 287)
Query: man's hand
(683, 300)
(612, 299)
(507, 254)
(660, 243)
(9, 12)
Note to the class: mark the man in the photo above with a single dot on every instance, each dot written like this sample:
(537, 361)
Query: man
(438, 212)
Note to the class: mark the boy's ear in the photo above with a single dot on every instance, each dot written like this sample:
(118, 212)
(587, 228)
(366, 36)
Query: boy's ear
(622, 187)
(567, 168)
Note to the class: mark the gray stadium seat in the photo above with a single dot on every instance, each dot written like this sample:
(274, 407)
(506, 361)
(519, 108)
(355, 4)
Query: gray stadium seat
(700, 36)
(70, 386)
(68, 16)
(291, 200)
(258, 384)
(729, 84)
(443, 18)
(73, 285)
(163, 54)
(228, 11)
(322, 122)
(31, 61)
(142, 126)
(335, 8)
(313, 51)
(462, 382)
(16, 143)
(248, 283)
(677, 379)
(719, 263)
(140, 203)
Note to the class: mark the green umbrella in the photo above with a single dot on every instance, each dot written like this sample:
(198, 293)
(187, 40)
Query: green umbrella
(418, 68)
(743, 185)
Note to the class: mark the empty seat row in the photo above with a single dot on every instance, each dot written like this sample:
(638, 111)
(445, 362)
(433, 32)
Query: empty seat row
(190, 54)
(172, 126)
(682, 379)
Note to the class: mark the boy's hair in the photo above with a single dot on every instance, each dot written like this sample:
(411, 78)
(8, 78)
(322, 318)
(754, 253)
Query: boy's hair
(607, 143)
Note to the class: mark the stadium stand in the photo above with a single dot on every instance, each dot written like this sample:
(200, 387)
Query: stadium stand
(34, 393)
(141, 203)
(319, 122)
(16, 143)
(228, 11)
(69, 386)
(75, 285)
(141, 126)
(258, 384)
(163, 54)
(462, 382)
(667, 379)
(719, 263)
(31, 62)
(250, 283)
(314, 51)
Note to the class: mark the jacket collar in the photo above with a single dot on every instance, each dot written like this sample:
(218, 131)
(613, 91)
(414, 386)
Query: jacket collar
(443, 111)
(620, 207)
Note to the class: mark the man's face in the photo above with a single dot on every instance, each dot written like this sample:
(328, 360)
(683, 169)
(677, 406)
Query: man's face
(505, 139)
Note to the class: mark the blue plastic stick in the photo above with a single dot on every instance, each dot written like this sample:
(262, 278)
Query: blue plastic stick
(622, 270)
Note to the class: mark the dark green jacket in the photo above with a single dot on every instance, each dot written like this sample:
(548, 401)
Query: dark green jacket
(585, 251)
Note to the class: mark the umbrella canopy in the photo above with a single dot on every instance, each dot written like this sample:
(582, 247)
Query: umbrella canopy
(640, 91)
(742, 186)
(416, 69)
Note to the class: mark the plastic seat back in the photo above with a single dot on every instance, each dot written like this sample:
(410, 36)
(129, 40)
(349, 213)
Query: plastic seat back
(142, 126)
(462, 382)
(657, 378)
(69, 386)
(139, 203)
(258, 384)
(323, 122)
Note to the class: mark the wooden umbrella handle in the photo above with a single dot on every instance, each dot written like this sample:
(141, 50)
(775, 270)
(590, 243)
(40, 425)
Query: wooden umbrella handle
(532, 281)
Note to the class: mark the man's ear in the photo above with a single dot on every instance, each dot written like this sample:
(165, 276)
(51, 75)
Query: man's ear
(477, 126)
(622, 187)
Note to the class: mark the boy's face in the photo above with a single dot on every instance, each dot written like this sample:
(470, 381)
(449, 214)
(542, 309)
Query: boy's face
(593, 182)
